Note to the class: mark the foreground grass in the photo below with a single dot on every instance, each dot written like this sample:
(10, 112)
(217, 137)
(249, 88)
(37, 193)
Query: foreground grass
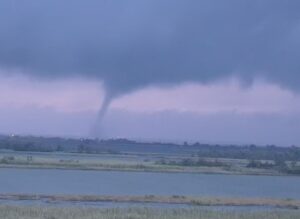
(194, 201)
(17, 212)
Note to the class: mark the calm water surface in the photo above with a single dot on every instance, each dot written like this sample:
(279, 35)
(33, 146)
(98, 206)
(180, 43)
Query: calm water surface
(49, 181)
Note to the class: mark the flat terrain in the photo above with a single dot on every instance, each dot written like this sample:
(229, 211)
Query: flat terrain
(16, 212)
(175, 199)
(41, 178)
(131, 162)
(129, 155)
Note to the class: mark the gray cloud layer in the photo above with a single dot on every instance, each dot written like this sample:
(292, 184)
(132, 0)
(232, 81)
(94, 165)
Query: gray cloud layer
(130, 44)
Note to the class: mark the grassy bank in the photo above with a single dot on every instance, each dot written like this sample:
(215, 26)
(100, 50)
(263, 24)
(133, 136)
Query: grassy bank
(132, 163)
(13, 212)
(195, 201)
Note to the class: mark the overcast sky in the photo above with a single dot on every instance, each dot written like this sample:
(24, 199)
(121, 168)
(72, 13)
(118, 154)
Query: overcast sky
(211, 71)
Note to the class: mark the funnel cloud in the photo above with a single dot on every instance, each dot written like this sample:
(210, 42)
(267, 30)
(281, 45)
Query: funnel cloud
(132, 44)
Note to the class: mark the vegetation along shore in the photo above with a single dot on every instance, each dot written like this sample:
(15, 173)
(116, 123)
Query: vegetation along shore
(26, 212)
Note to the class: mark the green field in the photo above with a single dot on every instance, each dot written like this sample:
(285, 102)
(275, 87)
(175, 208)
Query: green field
(132, 162)
(129, 155)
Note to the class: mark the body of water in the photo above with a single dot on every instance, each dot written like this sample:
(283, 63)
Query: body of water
(78, 182)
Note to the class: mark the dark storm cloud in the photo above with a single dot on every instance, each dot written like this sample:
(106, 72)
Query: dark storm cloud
(130, 44)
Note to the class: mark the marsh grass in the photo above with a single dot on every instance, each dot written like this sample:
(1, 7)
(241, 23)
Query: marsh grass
(17, 212)
(175, 199)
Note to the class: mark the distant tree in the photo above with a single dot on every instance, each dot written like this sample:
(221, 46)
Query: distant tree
(293, 164)
(81, 148)
(280, 163)
(59, 148)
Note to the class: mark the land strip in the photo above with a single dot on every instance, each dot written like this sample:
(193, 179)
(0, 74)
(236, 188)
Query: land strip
(121, 163)
(26, 212)
(195, 201)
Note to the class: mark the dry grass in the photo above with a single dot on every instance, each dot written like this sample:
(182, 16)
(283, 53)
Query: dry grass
(16, 212)
(196, 201)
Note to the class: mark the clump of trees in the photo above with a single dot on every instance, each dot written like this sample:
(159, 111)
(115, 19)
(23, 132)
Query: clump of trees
(81, 145)
(290, 167)
(7, 159)
(192, 163)
(260, 164)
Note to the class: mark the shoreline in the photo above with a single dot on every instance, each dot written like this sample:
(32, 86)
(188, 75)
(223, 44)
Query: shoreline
(150, 169)
(155, 199)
